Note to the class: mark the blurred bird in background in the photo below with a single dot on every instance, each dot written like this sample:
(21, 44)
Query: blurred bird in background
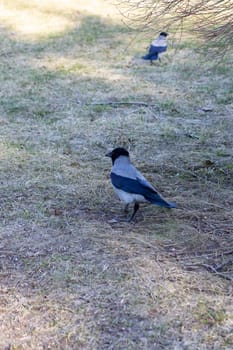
(157, 46)
(130, 185)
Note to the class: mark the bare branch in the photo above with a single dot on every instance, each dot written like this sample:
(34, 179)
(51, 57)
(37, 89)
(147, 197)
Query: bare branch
(210, 268)
(211, 20)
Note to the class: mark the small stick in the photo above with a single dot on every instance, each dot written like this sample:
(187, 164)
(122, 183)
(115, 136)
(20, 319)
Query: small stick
(122, 103)
(221, 266)
(146, 243)
(211, 269)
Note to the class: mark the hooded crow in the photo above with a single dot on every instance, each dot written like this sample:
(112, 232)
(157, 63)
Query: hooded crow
(157, 46)
(130, 185)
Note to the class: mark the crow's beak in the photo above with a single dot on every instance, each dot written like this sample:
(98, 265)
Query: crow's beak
(109, 154)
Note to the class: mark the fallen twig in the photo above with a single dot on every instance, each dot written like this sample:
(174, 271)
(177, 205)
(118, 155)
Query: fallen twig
(207, 253)
(214, 205)
(146, 243)
(145, 104)
(224, 264)
(212, 269)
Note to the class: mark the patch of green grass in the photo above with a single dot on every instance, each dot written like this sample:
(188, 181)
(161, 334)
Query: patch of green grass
(207, 315)
(101, 108)
(229, 166)
(77, 67)
(170, 107)
(40, 77)
(226, 100)
(221, 152)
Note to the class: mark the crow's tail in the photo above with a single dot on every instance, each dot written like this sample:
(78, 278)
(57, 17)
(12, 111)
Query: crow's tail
(158, 200)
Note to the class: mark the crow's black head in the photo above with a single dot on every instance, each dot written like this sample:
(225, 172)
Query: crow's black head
(117, 152)
(163, 34)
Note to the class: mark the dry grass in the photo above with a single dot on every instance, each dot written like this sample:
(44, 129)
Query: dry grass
(71, 278)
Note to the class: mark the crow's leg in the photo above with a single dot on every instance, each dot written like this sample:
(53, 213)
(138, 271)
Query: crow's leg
(126, 208)
(136, 207)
